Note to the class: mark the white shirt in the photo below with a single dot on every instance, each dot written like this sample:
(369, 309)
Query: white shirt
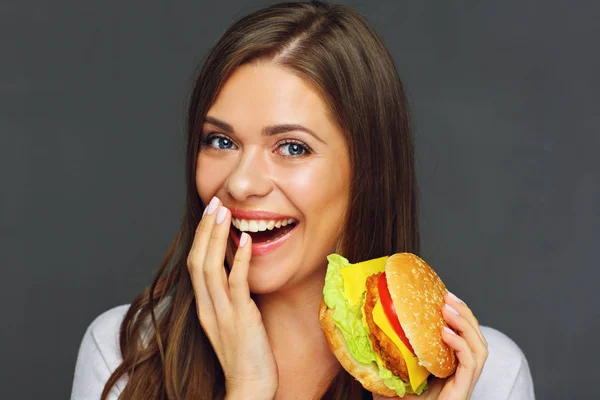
(505, 375)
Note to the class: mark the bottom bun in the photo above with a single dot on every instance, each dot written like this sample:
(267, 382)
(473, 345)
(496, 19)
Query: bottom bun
(368, 376)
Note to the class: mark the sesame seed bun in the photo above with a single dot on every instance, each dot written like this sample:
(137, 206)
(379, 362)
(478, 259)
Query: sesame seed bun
(418, 296)
(417, 293)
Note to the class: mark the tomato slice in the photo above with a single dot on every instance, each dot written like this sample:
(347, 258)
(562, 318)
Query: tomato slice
(390, 311)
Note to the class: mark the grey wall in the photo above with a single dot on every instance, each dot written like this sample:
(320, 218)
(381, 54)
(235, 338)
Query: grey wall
(505, 99)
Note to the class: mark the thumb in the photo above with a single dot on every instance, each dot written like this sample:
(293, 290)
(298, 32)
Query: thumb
(378, 397)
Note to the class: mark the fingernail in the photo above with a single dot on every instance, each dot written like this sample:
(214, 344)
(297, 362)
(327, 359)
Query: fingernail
(450, 331)
(243, 239)
(221, 214)
(453, 296)
(212, 206)
(451, 309)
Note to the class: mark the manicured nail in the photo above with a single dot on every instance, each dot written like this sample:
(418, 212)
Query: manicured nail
(212, 206)
(243, 239)
(451, 309)
(453, 296)
(221, 214)
(450, 331)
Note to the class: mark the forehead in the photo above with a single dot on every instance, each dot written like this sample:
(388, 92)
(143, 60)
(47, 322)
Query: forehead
(262, 93)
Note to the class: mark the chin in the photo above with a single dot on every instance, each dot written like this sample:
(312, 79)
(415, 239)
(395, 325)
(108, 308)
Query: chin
(266, 277)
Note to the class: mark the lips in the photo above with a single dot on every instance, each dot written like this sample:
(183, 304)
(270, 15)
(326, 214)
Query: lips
(268, 230)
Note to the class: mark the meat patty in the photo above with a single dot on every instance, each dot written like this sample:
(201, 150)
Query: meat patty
(382, 344)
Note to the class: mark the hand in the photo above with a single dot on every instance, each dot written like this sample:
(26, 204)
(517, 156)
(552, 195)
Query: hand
(226, 312)
(471, 349)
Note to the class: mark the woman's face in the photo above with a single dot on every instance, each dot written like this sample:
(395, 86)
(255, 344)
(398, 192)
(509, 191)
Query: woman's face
(272, 154)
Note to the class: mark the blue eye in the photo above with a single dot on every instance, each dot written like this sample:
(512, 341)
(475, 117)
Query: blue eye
(219, 142)
(293, 149)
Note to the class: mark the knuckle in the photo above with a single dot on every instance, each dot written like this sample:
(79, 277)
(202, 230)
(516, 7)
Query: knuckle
(253, 315)
(202, 228)
(208, 327)
(233, 279)
(238, 259)
(209, 273)
(486, 353)
(202, 311)
(190, 262)
(205, 322)
(193, 264)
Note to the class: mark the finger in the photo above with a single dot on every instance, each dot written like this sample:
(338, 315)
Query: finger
(238, 278)
(463, 378)
(461, 325)
(214, 267)
(197, 254)
(472, 336)
(465, 311)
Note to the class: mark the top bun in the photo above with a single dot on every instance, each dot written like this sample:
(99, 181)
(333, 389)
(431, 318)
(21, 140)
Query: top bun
(418, 296)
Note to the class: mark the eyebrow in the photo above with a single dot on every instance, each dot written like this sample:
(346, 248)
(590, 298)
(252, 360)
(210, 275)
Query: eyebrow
(269, 130)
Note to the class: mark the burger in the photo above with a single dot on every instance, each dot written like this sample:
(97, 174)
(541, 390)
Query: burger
(382, 319)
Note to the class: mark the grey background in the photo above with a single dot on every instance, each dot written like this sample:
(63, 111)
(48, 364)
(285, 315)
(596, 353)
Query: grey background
(505, 100)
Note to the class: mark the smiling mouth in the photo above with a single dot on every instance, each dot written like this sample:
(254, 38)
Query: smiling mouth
(263, 231)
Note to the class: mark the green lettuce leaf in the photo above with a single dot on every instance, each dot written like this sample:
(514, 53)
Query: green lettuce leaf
(348, 319)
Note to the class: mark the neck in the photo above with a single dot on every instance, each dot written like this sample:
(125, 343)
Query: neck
(293, 312)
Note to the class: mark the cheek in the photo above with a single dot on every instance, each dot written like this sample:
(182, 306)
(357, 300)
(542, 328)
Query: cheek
(210, 176)
(320, 191)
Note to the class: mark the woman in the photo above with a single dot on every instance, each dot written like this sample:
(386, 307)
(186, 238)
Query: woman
(298, 144)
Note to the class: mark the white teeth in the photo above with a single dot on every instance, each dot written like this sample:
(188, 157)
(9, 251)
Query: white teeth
(253, 226)
(260, 225)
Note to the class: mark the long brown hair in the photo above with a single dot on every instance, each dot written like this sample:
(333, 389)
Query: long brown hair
(166, 354)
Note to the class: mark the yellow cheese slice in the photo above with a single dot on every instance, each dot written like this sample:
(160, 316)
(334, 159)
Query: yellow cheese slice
(416, 373)
(355, 276)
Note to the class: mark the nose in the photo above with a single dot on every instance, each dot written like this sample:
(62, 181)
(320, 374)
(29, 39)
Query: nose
(250, 177)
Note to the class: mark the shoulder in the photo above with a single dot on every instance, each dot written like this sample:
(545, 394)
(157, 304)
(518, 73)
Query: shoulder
(99, 355)
(506, 373)
(104, 331)
(502, 348)
(106, 325)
